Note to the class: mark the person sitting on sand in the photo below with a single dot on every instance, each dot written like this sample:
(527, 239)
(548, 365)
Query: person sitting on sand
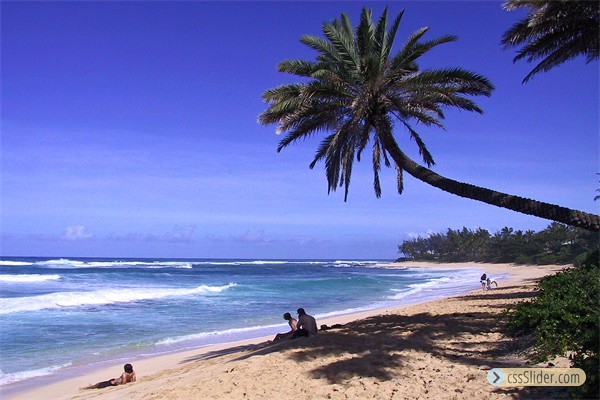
(293, 328)
(307, 325)
(126, 377)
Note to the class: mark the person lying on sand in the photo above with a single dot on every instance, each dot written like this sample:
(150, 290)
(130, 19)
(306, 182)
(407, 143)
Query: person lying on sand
(293, 328)
(126, 377)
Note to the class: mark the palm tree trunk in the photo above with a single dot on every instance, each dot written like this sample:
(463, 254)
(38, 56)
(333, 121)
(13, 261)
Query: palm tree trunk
(580, 219)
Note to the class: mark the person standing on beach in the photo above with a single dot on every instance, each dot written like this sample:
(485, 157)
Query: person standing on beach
(483, 281)
(293, 326)
(307, 325)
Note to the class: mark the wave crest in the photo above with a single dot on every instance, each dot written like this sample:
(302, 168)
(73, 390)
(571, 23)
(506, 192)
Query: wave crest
(6, 378)
(14, 263)
(28, 278)
(66, 263)
(100, 297)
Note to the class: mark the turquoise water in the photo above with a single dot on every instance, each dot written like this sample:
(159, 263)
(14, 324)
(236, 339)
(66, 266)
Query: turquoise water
(58, 315)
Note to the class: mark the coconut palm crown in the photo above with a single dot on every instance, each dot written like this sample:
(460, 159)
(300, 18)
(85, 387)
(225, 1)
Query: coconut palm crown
(554, 31)
(357, 91)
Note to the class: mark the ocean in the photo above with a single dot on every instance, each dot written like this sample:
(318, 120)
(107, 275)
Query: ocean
(63, 315)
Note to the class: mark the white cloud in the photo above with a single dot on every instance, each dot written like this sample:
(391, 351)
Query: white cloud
(252, 237)
(415, 235)
(181, 233)
(76, 232)
(257, 237)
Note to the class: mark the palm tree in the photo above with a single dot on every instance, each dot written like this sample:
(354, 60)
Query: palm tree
(356, 91)
(554, 31)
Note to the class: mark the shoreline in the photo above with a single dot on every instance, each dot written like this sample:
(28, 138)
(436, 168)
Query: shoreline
(148, 369)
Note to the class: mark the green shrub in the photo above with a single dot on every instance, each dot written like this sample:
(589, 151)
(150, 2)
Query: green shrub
(565, 317)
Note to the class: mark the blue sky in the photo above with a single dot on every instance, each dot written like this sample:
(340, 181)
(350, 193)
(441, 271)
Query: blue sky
(129, 129)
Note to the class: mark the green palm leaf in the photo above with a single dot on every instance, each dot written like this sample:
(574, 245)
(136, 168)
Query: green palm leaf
(554, 32)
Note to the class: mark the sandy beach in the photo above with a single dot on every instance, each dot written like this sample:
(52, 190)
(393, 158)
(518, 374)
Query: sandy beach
(440, 349)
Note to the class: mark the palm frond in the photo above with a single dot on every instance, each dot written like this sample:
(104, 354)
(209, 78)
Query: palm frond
(282, 92)
(363, 139)
(322, 150)
(399, 179)
(391, 36)
(327, 50)
(376, 169)
(414, 49)
(423, 152)
(554, 32)
(348, 163)
(456, 80)
(307, 128)
(365, 34)
(380, 41)
(344, 45)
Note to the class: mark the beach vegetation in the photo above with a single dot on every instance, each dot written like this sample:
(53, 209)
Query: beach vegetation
(564, 319)
(554, 31)
(359, 93)
(556, 244)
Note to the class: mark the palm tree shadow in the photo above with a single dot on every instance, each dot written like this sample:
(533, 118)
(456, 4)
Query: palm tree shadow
(356, 354)
(247, 351)
(501, 294)
(377, 346)
(395, 336)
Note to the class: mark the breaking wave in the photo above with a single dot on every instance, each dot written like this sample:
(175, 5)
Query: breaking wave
(99, 297)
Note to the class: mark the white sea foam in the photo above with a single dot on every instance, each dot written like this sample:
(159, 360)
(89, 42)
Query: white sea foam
(61, 262)
(66, 263)
(380, 265)
(349, 310)
(338, 263)
(204, 335)
(27, 278)
(418, 288)
(7, 378)
(99, 297)
(354, 263)
(8, 262)
(153, 264)
(247, 262)
(266, 262)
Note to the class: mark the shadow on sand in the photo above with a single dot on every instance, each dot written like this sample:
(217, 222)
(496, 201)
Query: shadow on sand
(436, 335)
(247, 351)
